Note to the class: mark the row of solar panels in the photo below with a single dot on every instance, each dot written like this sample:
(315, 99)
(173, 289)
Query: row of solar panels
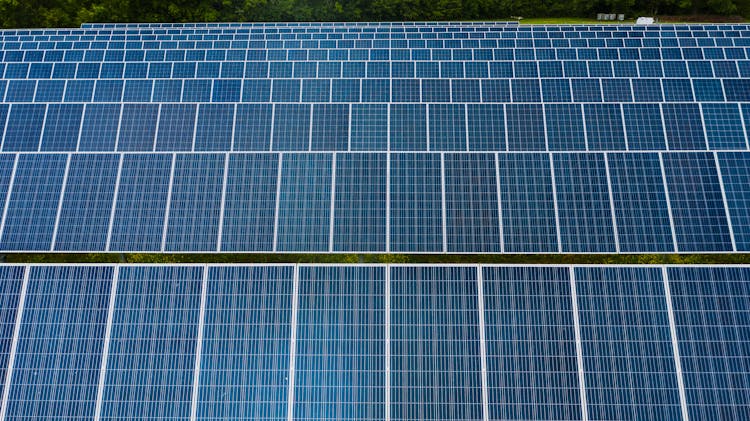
(377, 202)
(379, 90)
(238, 43)
(521, 69)
(375, 342)
(446, 36)
(62, 52)
(296, 26)
(173, 127)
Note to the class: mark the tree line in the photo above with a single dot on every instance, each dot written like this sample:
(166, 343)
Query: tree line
(71, 13)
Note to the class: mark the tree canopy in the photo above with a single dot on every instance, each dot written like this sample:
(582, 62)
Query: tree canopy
(71, 13)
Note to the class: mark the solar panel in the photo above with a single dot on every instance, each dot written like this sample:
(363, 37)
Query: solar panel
(435, 364)
(59, 343)
(527, 197)
(137, 222)
(584, 208)
(195, 207)
(640, 203)
(486, 88)
(31, 209)
(339, 369)
(471, 204)
(244, 361)
(83, 221)
(531, 349)
(359, 207)
(700, 219)
(151, 355)
(628, 358)
(711, 320)
(304, 203)
(375, 341)
(10, 294)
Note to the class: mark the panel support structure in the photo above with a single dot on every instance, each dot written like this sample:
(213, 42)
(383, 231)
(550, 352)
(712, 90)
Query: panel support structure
(107, 340)
(14, 344)
(579, 347)
(482, 344)
(675, 345)
(293, 345)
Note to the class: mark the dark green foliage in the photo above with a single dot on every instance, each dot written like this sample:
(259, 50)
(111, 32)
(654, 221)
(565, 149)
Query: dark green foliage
(71, 13)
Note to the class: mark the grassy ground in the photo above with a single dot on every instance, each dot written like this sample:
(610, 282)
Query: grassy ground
(382, 258)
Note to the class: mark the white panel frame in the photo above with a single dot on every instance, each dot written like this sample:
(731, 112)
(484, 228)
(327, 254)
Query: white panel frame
(444, 216)
(8, 195)
(615, 232)
(223, 202)
(579, 346)
(387, 300)
(669, 204)
(724, 199)
(199, 346)
(482, 342)
(551, 159)
(675, 344)
(293, 345)
(333, 203)
(60, 201)
(107, 341)
(14, 344)
(114, 204)
(169, 203)
(278, 199)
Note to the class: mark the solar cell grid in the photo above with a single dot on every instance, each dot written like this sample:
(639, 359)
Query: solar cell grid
(585, 217)
(10, 295)
(628, 359)
(339, 369)
(149, 373)
(711, 319)
(639, 200)
(449, 87)
(435, 371)
(531, 365)
(245, 352)
(60, 342)
(700, 221)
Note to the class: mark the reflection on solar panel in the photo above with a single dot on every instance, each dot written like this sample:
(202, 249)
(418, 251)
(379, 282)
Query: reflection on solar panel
(372, 342)
(411, 137)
